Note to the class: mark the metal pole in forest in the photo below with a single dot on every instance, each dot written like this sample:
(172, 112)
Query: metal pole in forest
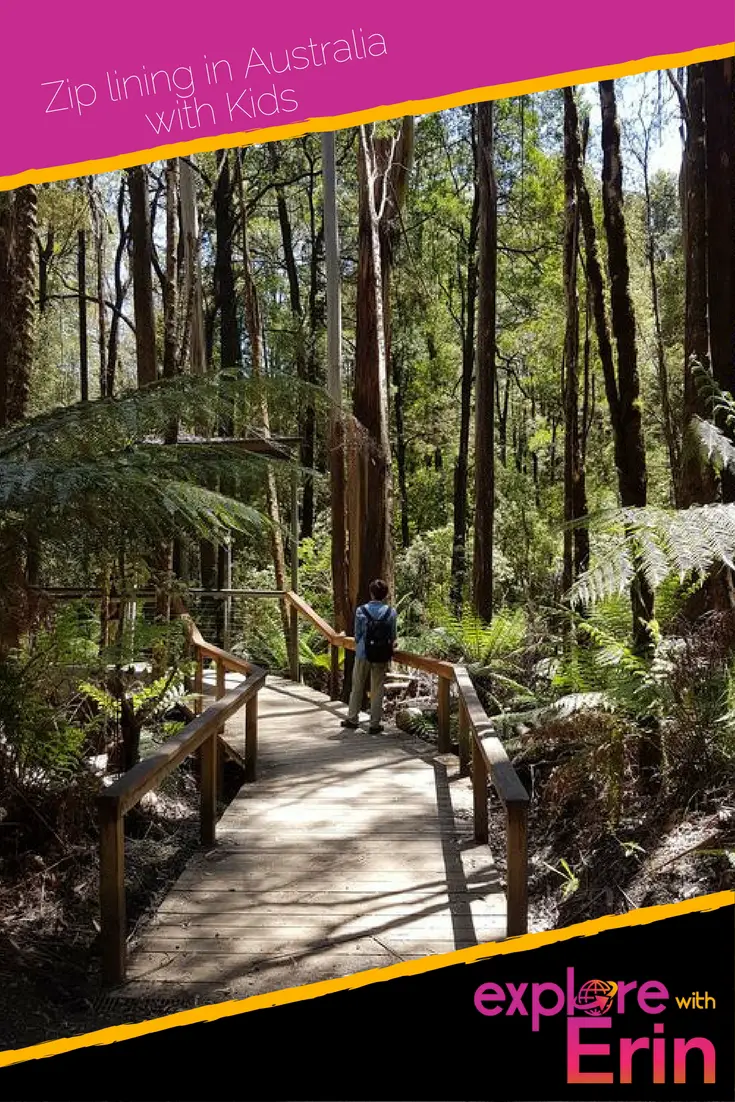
(337, 459)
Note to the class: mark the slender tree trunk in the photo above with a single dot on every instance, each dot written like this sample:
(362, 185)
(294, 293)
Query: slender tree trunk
(82, 313)
(662, 370)
(398, 374)
(45, 257)
(170, 298)
(307, 419)
(224, 275)
(252, 323)
(633, 474)
(18, 256)
(121, 288)
(371, 370)
(698, 485)
(461, 469)
(142, 265)
(574, 487)
(720, 229)
(622, 389)
(482, 581)
(382, 174)
(192, 268)
(99, 229)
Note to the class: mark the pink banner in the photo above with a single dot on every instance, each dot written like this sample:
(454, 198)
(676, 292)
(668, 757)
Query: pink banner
(94, 82)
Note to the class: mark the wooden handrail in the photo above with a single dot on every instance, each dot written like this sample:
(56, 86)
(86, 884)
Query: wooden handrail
(202, 735)
(478, 744)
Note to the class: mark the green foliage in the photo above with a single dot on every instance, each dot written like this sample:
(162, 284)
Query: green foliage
(570, 880)
(100, 469)
(42, 732)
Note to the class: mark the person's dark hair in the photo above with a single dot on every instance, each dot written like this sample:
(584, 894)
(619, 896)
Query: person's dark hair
(378, 590)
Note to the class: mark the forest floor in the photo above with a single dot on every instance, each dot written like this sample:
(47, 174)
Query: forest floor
(580, 868)
(49, 957)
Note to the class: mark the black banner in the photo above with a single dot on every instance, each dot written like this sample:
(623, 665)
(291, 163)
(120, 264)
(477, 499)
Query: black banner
(635, 1008)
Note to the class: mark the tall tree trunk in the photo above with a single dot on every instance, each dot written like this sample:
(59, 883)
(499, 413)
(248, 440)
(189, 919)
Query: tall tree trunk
(622, 388)
(720, 229)
(575, 503)
(45, 256)
(82, 313)
(252, 323)
(371, 404)
(121, 288)
(18, 255)
(99, 231)
(662, 370)
(482, 574)
(698, 485)
(633, 474)
(230, 350)
(192, 268)
(383, 169)
(224, 273)
(399, 383)
(18, 217)
(307, 420)
(170, 298)
(461, 469)
(140, 232)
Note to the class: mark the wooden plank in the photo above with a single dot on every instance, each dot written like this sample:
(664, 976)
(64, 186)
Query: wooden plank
(222, 901)
(251, 951)
(167, 923)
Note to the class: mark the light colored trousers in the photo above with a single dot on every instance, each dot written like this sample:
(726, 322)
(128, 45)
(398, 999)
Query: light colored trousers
(376, 671)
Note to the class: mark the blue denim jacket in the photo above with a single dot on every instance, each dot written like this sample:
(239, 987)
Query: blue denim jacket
(376, 608)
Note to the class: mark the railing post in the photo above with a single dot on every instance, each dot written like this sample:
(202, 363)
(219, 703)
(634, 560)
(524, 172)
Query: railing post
(112, 892)
(199, 684)
(517, 869)
(479, 792)
(251, 738)
(221, 689)
(333, 672)
(464, 740)
(443, 715)
(294, 644)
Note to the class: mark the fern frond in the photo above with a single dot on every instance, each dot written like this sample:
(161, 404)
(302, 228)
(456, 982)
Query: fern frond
(663, 543)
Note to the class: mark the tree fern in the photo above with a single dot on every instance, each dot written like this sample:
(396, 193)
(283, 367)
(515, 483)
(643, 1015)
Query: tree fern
(102, 468)
(661, 543)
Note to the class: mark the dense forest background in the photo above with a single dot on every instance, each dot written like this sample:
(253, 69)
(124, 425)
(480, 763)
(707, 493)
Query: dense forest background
(524, 426)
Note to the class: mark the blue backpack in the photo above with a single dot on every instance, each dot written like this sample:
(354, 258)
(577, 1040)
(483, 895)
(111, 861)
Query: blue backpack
(378, 636)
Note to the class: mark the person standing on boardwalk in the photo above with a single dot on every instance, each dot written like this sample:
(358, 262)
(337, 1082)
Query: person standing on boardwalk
(375, 641)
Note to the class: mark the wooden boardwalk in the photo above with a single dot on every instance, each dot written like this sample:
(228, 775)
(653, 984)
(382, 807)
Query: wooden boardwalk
(351, 851)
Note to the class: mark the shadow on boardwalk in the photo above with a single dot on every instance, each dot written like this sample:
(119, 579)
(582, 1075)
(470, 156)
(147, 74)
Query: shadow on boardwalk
(350, 852)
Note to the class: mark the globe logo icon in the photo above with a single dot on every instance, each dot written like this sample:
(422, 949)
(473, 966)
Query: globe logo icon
(596, 996)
